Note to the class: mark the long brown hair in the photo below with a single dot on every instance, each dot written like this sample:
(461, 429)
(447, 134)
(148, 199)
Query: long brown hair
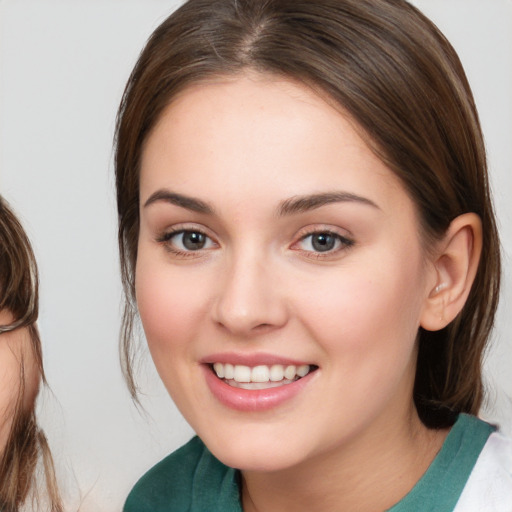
(393, 71)
(26, 444)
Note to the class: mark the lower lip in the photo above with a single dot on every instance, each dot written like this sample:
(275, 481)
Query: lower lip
(251, 400)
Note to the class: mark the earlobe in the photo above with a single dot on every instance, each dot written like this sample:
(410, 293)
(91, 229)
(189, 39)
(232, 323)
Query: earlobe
(455, 264)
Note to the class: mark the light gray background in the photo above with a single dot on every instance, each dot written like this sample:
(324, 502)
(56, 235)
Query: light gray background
(63, 65)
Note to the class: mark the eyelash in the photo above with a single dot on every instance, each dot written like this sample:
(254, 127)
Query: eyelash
(342, 242)
(165, 239)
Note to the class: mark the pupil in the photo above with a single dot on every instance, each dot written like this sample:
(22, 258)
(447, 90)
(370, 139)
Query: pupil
(194, 241)
(323, 242)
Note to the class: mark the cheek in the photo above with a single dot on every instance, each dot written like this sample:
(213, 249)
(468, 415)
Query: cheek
(369, 311)
(169, 304)
(32, 382)
(15, 347)
(9, 386)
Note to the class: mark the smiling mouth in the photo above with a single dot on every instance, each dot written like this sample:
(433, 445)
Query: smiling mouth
(261, 376)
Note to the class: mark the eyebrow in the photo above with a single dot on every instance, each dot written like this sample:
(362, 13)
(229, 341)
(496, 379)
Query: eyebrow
(190, 203)
(297, 204)
(301, 204)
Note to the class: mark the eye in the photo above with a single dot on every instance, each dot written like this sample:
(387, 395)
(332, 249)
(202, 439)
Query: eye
(323, 242)
(187, 241)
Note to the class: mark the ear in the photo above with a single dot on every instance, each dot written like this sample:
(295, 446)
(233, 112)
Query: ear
(455, 264)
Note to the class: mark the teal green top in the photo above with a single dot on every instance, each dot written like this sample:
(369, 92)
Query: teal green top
(192, 480)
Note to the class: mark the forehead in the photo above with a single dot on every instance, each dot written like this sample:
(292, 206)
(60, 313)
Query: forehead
(254, 132)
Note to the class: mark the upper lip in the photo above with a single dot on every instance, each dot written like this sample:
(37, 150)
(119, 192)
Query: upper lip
(254, 359)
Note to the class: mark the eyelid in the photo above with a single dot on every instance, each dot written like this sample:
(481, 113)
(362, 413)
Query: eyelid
(184, 226)
(164, 237)
(324, 228)
(346, 239)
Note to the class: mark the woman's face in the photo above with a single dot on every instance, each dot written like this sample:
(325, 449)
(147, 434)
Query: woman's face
(277, 248)
(15, 348)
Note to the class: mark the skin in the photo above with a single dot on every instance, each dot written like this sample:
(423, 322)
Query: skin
(15, 347)
(245, 146)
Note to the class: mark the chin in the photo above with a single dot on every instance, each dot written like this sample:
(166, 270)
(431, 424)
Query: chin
(250, 451)
(248, 460)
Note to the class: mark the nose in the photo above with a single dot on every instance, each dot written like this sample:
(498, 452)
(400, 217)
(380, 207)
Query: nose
(250, 299)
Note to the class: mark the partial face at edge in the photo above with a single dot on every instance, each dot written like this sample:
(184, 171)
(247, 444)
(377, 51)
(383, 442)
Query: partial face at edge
(271, 235)
(15, 346)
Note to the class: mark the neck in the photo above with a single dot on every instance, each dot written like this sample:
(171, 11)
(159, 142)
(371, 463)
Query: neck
(367, 474)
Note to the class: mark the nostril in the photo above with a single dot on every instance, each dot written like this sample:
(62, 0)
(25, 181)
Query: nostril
(262, 327)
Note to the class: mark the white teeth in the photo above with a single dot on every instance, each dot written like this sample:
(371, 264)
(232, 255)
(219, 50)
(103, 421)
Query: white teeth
(242, 373)
(219, 370)
(229, 371)
(261, 373)
(303, 370)
(276, 373)
(289, 373)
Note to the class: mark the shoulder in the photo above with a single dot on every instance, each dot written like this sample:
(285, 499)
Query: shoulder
(489, 487)
(188, 480)
(170, 479)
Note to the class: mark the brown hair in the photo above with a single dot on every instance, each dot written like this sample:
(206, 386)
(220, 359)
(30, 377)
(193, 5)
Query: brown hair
(391, 69)
(26, 443)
